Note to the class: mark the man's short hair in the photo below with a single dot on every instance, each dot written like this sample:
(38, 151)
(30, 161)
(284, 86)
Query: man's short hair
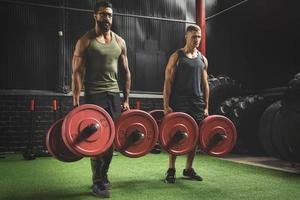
(102, 4)
(192, 28)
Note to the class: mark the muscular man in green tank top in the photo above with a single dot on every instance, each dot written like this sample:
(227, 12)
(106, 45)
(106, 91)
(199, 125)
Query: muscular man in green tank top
(186, 90)
(98, 56)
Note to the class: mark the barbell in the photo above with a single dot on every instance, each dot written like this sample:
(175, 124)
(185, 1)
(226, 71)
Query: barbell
(136, 133)
(88, 130)
(179, 132)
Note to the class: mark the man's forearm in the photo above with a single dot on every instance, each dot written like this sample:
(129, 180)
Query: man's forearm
(126, 90)
(166, 94)
(76, 87)
(206, 95)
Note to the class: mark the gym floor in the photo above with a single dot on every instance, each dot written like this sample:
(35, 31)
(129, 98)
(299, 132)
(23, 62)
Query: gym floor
(142, 178)
(265, 162)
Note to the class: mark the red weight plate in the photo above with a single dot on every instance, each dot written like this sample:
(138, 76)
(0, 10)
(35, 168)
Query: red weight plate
(157, 115)
(130, 124)
(174, 123)
(217, 135)
(85, 141)
(56, 146)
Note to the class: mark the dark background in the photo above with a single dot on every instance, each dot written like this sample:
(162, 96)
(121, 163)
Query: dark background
(256, 42)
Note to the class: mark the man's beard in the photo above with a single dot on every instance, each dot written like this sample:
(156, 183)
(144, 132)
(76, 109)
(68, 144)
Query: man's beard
(104, 26)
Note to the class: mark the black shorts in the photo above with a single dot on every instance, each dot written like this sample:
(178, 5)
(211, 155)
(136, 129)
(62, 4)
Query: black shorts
(110, 101)
(194, 106)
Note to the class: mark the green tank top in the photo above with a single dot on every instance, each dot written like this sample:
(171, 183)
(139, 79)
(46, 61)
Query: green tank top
(102, 67)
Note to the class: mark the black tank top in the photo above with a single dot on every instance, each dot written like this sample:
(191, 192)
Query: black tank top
(187, 80)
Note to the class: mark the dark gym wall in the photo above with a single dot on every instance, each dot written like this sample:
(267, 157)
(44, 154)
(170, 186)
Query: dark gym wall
(29, 46)
(41, 37)
(256, 42)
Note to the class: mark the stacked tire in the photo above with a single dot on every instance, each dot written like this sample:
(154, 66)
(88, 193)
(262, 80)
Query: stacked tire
(280, 125)
(222, 88)
(266, 124)
(245, 113)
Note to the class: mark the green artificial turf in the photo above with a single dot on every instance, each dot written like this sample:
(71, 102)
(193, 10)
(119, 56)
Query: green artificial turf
(142, 178)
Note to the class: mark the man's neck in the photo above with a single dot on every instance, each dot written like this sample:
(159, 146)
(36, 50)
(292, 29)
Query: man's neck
(190, 50)
(101, 36)
(99, 32)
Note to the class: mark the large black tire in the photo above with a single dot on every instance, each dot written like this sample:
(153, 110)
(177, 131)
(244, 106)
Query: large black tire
(246, 117)
(277, 137)
(226, 107)
(265, 129)
(222, 88)
(290, 134)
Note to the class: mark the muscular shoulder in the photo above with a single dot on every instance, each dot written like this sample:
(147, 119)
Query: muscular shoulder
(174, 56)
(173, 60)
(87, 37)
(120, 40)
(83, 43)
(205, 61)
(121, 43)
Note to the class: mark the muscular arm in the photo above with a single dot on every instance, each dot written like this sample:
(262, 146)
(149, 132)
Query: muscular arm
(169, 77)
(205, 86)
(123, 66)
(78, 65)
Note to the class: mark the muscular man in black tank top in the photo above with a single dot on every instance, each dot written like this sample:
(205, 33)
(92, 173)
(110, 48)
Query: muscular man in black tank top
(186, 90)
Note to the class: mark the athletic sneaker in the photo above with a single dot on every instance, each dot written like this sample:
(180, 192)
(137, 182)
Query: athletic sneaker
(191, 174)
(99, 190)
(156, 149)
(170, 178)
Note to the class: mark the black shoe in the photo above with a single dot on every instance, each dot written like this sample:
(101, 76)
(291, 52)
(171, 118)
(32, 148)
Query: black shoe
(99, 190)
(170, 178)
(191, 174)
(156, 149)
